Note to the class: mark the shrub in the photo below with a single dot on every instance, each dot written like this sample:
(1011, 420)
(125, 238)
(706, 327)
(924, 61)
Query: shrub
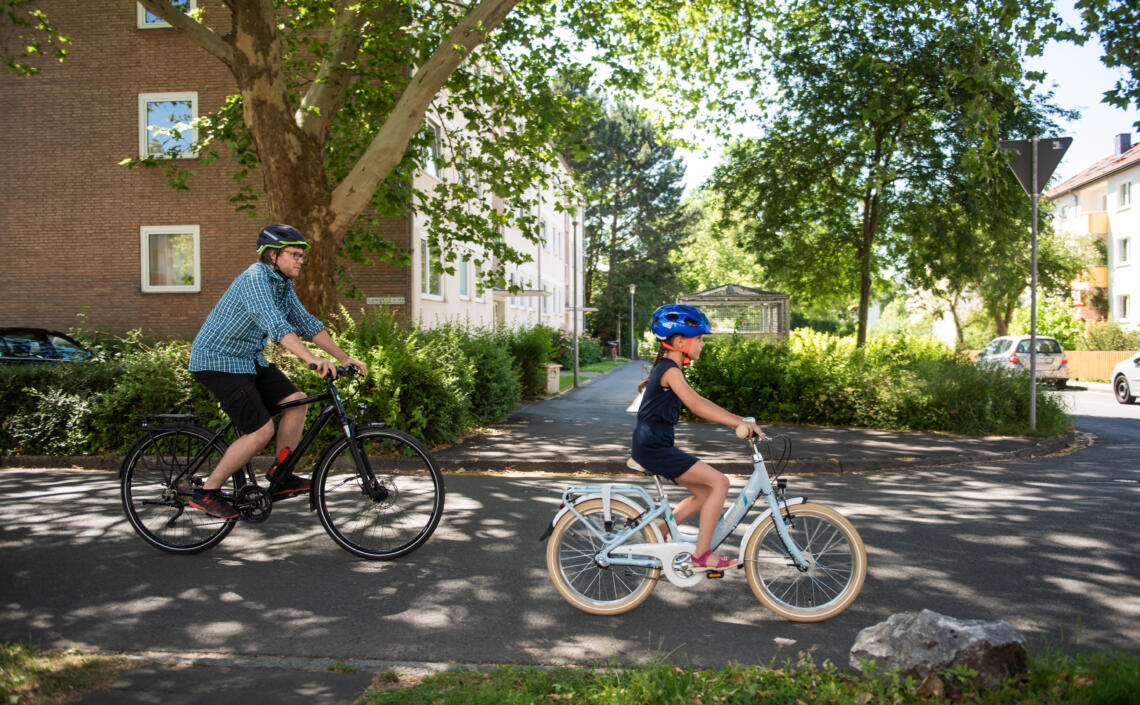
(589, 351)
(496, 388)
(1108, 335)
(532, 349)
(902, 383)
(1055, 319)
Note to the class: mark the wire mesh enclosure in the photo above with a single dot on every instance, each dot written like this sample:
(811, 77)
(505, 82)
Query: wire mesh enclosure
(744, 311)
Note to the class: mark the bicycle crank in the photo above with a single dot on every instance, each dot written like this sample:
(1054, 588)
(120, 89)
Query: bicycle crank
(253, 503)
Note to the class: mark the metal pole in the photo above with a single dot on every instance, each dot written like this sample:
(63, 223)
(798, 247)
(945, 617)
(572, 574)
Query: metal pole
(1033, 302)
(577, 305)
(632, 342)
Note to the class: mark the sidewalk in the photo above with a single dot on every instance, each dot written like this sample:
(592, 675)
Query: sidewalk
(588, 429)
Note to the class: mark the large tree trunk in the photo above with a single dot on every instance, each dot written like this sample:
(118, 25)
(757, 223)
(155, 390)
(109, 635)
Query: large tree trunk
(871, 214)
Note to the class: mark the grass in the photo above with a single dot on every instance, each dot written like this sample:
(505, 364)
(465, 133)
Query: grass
(1084, 680)
(30, 675)
(566, 381)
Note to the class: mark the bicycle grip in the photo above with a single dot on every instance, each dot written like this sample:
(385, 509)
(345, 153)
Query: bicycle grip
(742, 429)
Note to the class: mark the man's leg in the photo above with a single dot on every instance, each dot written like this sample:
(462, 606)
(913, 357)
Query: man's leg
(240, 452)
(291, 424)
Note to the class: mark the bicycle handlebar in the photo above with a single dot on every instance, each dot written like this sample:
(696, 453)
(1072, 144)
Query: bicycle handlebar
(345, 371)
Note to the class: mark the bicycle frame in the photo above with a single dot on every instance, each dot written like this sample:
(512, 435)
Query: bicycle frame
(334, 408)
(615, 552)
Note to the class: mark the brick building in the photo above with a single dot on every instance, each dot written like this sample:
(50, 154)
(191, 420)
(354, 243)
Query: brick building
(89, 242)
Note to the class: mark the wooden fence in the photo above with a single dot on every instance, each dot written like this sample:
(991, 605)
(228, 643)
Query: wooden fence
(1094, 364)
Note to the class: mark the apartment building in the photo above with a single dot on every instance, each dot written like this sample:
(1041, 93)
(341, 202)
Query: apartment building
(89, 242)
(1098, 202)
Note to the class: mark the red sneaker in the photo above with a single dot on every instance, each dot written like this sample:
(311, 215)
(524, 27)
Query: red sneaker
(214, 503)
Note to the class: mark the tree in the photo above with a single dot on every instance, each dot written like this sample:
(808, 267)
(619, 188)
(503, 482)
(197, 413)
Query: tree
(1115, 22)
(27, 33)
(877, 103)
(711, 255)
(633, 181)
(331, 108)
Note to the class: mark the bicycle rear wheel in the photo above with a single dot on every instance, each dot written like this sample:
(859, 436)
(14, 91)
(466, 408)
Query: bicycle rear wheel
(570, 552)
(838, 565)
(403, 511)
(158, 477)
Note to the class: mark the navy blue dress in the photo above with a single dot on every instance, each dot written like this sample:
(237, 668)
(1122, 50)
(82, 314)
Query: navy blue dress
(653, 445)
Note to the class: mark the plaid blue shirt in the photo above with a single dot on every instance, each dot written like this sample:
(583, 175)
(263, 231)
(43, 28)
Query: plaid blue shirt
(258, 307)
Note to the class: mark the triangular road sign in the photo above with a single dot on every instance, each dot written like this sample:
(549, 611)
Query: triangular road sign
(1049, 153)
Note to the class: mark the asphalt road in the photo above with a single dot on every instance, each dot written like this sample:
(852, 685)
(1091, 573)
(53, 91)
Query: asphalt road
(1048, 544)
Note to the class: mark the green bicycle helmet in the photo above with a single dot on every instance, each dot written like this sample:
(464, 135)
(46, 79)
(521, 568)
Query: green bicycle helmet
(278, 236)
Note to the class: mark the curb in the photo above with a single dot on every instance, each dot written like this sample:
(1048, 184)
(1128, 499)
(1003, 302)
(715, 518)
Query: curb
(1071, 439)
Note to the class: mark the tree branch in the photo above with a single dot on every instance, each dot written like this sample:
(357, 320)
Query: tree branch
(388, 146)
(319, 104)
(199, 33)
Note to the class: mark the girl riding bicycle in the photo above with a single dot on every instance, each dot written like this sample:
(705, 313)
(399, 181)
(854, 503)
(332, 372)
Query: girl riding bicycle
(681, 330)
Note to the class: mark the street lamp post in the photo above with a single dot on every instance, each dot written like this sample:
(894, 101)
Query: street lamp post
(632, 342)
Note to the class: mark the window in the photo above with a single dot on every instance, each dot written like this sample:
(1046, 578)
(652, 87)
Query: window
(1123, 250)
(477, 274)
(1125, 200)
(149, 21)
(1124, 307)
(464, 278)
(171, 260)
(431, 270)
(166, 125)
(431, 166)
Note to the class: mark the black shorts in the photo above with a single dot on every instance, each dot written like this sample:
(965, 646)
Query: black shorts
(249, 400)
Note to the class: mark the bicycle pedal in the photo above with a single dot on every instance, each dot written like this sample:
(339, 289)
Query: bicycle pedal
(714, 574)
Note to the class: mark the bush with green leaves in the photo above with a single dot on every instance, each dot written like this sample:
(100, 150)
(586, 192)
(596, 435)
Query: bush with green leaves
(589, 351)
(1108, 335)
(1055, 319)
(532, 349)
(899, 383)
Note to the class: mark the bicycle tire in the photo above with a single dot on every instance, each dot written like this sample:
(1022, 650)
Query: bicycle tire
(389, 527)
(155, 494)
(570, 552)
(829, 586)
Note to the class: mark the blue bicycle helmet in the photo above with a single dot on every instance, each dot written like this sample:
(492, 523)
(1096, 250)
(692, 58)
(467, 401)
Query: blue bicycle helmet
(671, 319)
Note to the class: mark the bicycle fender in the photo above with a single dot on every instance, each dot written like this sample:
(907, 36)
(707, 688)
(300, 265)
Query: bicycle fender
(758, 521)
(605, 494)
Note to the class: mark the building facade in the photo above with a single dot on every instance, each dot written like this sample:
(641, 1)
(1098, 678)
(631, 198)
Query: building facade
(1098, 203)
(91, 243)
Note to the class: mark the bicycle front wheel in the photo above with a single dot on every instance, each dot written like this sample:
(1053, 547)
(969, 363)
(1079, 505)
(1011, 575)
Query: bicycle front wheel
(402, 508)
(159, 474)
(838, 564)
(570, 552)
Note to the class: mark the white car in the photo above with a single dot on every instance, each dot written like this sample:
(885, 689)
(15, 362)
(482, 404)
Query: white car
(1011, 352)
(1126, 379)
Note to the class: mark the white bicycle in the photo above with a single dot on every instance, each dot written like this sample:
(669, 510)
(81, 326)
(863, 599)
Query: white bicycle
(605, 554)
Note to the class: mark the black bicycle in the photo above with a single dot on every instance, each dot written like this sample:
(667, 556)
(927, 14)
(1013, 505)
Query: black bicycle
(378, 492)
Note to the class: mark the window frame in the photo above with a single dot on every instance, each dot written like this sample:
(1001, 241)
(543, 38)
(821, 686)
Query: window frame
(141, 13)
(1124, 251)
(144, 132)
(1124, 196)
(427, 253)
(463, 275)
(145, 233)
(432, 166)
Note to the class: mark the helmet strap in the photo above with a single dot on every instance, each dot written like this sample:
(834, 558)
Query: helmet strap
(685, 359)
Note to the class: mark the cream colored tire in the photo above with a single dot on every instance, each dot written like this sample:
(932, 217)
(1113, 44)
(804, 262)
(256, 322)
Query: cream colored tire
(570, 552)
(837, 554)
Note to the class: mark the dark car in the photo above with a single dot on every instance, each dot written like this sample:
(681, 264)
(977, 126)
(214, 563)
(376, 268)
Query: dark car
(39, 345)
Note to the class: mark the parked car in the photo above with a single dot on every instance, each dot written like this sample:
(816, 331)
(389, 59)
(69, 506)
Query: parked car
(39, 345)
(1126, 379)
(1011, 352)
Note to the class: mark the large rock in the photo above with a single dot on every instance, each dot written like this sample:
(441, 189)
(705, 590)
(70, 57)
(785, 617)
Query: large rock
(926, 643)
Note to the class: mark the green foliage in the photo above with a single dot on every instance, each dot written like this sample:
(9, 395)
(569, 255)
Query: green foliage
(589, 352)
(1108, 335)
(913, 384)
(1055, 319)
(1113, 23)
(1104, 679)
(26, 33)
(433, 384)
(532, 349)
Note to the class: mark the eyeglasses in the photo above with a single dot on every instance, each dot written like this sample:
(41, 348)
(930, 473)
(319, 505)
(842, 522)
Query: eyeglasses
(297, 256)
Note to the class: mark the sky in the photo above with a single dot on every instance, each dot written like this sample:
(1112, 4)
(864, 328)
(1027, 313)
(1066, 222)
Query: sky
(1080, 80)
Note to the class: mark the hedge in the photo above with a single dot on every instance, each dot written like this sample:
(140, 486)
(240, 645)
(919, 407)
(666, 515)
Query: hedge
(436, 385)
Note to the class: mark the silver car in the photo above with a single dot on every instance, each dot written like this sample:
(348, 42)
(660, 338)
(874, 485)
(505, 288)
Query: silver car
(1126, 379)
(1011, 352)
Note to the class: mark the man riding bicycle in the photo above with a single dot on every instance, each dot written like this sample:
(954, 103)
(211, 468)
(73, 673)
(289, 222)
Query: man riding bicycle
(227, 358)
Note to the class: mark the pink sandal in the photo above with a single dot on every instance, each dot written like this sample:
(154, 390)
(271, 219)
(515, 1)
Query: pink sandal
(700, 562)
